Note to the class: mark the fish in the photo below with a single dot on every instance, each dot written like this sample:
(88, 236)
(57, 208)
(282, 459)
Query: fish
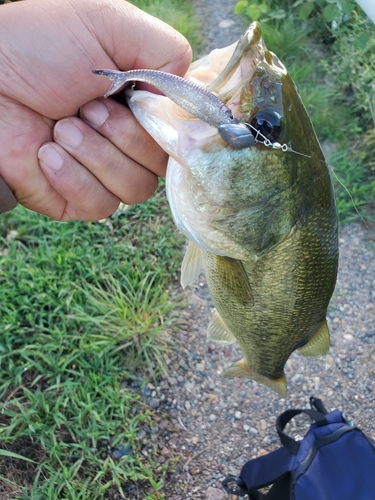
(249, 186)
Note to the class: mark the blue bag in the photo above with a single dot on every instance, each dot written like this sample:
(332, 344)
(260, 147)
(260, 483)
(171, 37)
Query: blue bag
(334, 461)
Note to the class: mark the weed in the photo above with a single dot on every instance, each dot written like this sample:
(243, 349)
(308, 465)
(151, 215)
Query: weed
(84, 309)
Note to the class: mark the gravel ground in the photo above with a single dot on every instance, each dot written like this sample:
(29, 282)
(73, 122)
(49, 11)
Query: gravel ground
(213, 426)
(221, 26)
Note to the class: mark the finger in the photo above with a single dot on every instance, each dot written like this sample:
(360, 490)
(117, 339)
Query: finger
(74, 38)
(78, 194)
(117, 123)
(121, 175)
(22, 132)
(83, 197)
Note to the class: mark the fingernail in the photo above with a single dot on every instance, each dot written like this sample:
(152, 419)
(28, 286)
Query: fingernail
(68, 134)
(48, 155)
(95, 113)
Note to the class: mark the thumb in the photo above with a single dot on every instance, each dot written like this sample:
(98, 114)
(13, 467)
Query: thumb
(49, 49)
(134, 39)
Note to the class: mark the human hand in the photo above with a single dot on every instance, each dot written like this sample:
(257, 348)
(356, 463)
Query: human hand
(57, 163)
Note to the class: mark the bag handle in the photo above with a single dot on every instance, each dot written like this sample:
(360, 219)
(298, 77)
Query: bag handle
(317, 414)
(318, 403)
(273, 468)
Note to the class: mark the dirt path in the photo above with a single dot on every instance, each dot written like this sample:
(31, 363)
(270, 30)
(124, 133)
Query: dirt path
(214, 425)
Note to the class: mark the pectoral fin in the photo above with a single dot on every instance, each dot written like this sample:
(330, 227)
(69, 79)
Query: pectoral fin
(242, 369)
(218, 332)
(232, 272)
(318, 345)
(191, 265)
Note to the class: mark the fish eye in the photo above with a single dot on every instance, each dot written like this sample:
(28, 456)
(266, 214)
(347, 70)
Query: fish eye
(268, 123)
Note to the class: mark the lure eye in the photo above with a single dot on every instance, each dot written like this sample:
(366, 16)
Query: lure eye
(268, 123)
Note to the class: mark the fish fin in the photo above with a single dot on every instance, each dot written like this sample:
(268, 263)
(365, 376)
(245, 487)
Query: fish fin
(191, 265)
(251, 36)
(218, 332)
(233, 273)
(318, 345)
(242, 369)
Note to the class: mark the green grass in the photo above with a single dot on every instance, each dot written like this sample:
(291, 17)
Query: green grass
(84, 311)
(178, 13)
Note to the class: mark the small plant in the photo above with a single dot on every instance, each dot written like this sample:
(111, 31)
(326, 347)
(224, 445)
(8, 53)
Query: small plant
(259, 10)
(327, 10)
(353, 66)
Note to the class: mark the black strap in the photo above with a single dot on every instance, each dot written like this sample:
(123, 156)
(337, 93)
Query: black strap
(290, 443)
(318, 403)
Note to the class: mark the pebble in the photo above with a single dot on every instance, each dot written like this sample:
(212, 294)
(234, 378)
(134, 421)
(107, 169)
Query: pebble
(238, 415)
(212, 417)
(226, 23)
(121, 452)
(190, 385)
(348, 336)
(141, 434)
(11, 235)
(183, 364)
(263, 425)
(227, 351)
(214, 494)
(262, 452)
(154, 403)
(187, 405)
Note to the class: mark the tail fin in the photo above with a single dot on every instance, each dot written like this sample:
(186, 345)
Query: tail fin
(242, 369)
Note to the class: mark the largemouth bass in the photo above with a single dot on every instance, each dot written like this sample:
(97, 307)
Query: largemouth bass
(248, 185)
